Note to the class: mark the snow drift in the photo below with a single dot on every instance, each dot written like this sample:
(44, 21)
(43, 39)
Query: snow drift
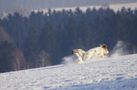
(119, 49)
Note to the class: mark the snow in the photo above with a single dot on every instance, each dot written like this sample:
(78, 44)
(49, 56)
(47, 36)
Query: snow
(112, 73)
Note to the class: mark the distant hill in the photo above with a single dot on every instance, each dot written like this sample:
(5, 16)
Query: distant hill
(114, 6)
(13, 5)
(25, 12)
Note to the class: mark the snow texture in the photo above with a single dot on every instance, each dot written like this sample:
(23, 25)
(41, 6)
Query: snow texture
(112, 73)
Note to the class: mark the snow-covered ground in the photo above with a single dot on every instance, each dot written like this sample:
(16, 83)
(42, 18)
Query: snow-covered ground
(112, 73)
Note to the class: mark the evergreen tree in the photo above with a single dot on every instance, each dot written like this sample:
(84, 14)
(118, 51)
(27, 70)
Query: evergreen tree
(72, 32)
(49, 43)
(37, 20)
(62, 37)
(56, 33)
(86, 35)
(6, 57)
(31, 47)
(133, 32)
(78, 14)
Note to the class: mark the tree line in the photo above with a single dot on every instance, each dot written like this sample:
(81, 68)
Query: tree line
(43, 39)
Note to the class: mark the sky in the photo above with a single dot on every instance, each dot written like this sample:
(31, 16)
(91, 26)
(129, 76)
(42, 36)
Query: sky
(14, 5)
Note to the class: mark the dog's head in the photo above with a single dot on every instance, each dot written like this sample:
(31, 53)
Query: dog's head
(105, 48)
(74, 51)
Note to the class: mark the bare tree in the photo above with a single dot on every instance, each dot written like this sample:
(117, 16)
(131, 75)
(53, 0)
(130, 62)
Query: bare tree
(43, 59)
(18, 62)
(4, 36)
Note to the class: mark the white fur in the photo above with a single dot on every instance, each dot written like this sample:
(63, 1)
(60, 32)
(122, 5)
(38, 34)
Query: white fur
(98, 52)
(79, 55)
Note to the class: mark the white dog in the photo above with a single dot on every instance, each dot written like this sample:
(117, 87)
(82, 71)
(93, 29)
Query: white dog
(78, 55)
(98, 52)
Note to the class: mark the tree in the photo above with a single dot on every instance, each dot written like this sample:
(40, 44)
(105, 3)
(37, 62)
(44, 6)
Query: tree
(4, 36)
(62, 37)
(31, 47)
(43, 59)
(17, 29)
(49, 43)
(79, 14)
(18, 62)
(86, 35)
(37, 19)
(6, 57)
(72, 32)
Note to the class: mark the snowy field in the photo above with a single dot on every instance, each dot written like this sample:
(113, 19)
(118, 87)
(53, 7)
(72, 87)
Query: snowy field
(112, 73)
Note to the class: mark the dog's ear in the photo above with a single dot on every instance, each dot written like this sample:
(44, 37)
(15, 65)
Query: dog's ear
(100, 45)
(104, 46)
(72, 52)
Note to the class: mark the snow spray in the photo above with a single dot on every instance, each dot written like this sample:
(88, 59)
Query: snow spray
(119, 49)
